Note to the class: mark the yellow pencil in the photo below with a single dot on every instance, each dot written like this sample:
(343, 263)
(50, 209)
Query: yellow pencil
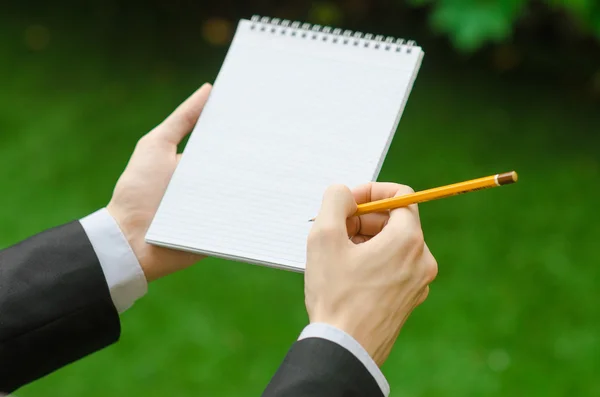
(437, 193)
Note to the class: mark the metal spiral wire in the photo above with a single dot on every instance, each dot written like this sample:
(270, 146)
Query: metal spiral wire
(329, 34)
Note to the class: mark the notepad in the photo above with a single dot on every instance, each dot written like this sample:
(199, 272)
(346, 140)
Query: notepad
(294, 109)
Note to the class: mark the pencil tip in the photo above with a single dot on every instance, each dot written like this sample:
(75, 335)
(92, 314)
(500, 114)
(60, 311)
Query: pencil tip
(311, 220)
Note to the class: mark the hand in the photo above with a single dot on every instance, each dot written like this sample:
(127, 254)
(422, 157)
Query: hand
(143, 183)
(365, 275)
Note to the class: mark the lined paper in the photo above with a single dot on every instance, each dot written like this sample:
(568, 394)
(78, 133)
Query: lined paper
(287, 117)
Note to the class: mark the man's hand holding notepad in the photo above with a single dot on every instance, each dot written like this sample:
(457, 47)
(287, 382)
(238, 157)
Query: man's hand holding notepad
(293, 110)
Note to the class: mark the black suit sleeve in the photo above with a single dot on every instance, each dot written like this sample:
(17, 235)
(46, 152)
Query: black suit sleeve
(320, 368)
(55, 306)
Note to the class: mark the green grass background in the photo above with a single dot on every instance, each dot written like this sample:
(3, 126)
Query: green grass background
(514, 310)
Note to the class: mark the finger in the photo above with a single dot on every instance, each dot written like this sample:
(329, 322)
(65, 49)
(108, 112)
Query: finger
(375, 191)
(430, 265)
(337, 205)
(182, 120)
(368, 224)
(359, 239)
(402, 233)
(403, 190)
(403, 223)
(371, 224)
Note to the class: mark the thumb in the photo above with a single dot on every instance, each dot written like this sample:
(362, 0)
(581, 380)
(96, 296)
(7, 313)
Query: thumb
(338, 204)
(182, 120)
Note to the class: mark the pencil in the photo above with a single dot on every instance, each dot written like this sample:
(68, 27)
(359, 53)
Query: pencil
(437, 193)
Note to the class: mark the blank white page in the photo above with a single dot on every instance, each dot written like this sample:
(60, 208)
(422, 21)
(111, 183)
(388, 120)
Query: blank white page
(287, 116)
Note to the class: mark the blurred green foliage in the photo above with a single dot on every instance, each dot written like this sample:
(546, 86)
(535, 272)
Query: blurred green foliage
(472, 23)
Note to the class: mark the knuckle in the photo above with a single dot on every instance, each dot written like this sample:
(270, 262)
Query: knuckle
(416, 239)
(431, 270)
(337, 188)
(404, 189)
(143, 142)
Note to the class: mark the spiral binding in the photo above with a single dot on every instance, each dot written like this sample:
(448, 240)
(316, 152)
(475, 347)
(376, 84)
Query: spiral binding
(328, 34)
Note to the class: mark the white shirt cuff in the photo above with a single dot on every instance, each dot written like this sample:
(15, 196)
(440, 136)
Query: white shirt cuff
(124, 275)
(333, 334)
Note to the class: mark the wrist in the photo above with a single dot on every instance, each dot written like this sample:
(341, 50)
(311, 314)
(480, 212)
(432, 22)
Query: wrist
(336, 335)
(156, 262)
(363, 335)
(124, 276)
(131, 233)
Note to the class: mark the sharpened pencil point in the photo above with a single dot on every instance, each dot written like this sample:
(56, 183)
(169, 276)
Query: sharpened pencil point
(311, 220)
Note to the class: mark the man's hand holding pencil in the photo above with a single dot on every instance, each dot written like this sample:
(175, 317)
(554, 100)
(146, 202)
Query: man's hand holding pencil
(368, 266)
